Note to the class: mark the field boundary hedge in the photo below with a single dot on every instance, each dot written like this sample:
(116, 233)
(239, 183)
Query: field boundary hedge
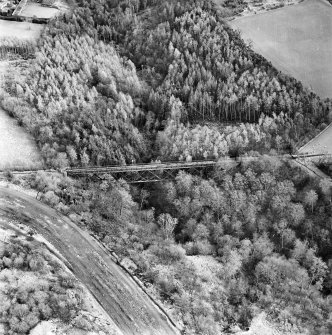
(20, 18)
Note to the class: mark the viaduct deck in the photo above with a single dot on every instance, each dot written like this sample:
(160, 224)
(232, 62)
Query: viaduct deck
(142, 173)
(154, 172)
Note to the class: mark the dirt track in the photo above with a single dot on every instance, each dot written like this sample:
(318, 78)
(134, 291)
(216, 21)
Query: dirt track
(128, 306)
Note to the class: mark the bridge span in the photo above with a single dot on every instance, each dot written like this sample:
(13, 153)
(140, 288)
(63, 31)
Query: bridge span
(159, 171)
(154, 172)
(143, 173)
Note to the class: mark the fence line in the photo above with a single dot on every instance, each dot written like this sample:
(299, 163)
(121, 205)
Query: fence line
(20, 18)
(20, 7)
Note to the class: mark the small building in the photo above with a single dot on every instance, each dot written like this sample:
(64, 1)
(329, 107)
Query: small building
(5, 11)
(7, 7)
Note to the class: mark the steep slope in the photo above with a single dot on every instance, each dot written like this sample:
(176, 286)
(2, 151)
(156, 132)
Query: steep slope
(37, 289)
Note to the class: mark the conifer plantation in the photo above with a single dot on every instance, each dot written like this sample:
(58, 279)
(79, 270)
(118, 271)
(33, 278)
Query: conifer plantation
(111, 75)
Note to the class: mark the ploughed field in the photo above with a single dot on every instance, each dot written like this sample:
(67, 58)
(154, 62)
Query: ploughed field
(297, 40)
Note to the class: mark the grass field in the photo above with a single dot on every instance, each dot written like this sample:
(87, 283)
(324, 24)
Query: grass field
(322, 144)
(17, 147)
(297, 40)
(21, 30)
(35, 9)
(252, 7)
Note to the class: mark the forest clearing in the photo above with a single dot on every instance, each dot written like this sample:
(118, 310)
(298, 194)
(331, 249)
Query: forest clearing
(296, 39)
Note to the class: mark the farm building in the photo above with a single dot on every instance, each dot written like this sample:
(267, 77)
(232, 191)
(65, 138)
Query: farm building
(28, 9)
(7, 7)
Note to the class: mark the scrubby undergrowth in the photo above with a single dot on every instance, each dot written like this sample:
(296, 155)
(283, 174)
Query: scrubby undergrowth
(266, 224)
(35, 287)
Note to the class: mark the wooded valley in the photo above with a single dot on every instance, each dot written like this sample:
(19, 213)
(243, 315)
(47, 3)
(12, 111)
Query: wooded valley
(123, 81)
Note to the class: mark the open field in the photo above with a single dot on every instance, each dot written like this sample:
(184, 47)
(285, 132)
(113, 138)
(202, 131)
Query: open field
(35, 9)
(297, 40)
(21, 30)
(320, 144)
(17, 147)
(252, 7)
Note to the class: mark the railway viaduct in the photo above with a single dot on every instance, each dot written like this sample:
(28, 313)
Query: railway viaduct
(154, 172)
(160, 171)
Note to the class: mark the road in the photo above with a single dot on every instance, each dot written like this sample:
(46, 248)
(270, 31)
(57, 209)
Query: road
(128, 306)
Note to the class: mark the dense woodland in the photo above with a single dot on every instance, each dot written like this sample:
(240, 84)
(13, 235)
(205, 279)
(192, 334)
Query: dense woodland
(264, 227)
(122, 71)
(115, 82)
(14, 46)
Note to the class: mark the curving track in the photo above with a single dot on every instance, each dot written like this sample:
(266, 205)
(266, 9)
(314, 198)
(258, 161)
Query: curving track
(128, 306)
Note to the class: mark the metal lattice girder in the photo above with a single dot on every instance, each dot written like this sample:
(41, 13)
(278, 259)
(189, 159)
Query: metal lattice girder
(162, 171)
(142, 173)
(140, 167)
